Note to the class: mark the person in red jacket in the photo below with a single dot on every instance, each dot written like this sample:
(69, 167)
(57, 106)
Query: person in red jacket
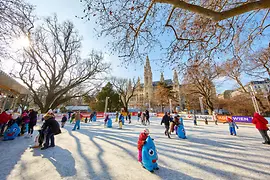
(261, 125)
(142, 138)
(5, 116)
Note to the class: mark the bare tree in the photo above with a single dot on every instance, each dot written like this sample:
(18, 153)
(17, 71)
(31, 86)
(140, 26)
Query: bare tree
(236, 67)
(199, 79)
(188, 29)
(52, 68)
(234, 70)
(162, 94)
(258, 64)
(125, 88)
(16, 19)
(240, 105)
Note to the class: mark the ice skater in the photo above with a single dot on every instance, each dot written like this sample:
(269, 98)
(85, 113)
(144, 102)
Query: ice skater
(105, 120)
(72, 118)
(129, 118)
(215, 118)
(33, 122)
(261, 125)
(52, 127)
(141, 141)
(232, 126)
(166, 121)
(121, 120)
(25, 123)
(78, 118)
(195, 120)
(139, 116)
(206, 121)
(63, 121)
(147, 117)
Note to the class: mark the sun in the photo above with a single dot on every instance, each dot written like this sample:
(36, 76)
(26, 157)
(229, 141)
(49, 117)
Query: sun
(21, 42)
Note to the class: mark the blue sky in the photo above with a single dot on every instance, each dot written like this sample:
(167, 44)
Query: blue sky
(67, 10)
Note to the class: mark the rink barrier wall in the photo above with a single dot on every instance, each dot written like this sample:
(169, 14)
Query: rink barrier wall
(220, 118)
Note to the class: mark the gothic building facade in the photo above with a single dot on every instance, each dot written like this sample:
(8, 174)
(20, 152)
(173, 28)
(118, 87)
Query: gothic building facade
(145, 92)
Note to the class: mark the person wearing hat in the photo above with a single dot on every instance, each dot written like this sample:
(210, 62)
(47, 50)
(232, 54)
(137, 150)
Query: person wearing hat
(52, 127)
(141, 141)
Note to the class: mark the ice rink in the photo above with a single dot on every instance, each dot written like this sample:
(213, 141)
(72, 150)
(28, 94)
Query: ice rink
(95, 152)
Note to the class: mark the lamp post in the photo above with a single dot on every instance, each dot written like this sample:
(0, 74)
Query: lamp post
(254, 100)
(170, 100)
(106, 104)
(180, 101)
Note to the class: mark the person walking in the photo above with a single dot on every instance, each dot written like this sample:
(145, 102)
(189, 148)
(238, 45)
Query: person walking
(166, 121)
(261, 125)
(78, 118)
(147, 117)
(33, 122)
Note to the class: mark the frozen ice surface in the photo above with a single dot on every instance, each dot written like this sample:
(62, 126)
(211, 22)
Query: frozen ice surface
(95, 152)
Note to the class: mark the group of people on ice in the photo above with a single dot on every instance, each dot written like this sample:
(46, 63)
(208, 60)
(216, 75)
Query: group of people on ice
(173, 124)
(15, 124)
(144, 117)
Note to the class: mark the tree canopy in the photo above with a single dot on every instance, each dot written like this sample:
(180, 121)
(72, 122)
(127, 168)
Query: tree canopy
(125, 88)
(182, 30)
(52, 67)
(16, 19)
(114, 103)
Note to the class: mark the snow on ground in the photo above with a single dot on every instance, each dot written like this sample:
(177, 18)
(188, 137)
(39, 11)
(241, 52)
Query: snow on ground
(95, 152)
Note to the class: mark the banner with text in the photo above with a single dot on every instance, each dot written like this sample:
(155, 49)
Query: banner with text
(199, 117)
(242, 119)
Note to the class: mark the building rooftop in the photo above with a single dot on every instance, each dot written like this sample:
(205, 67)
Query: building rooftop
(78, 108)
(168, 82)
(261, 82)
(9, 84)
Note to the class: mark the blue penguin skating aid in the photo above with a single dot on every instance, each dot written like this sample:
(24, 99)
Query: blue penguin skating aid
(149, 155)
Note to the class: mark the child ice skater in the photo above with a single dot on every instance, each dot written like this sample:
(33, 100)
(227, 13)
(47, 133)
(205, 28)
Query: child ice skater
(232, 126)
(121, 120)
(142, 138)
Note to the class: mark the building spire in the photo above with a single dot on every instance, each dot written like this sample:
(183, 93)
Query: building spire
(161, 77)
(129, 85)
(138, 83)
(147, 63)
(175, 78)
